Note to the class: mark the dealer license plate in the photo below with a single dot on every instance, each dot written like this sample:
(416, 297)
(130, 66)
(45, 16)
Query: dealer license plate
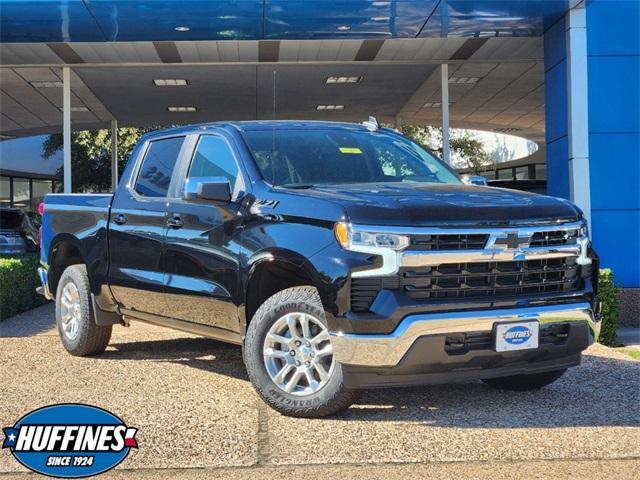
(516, 336)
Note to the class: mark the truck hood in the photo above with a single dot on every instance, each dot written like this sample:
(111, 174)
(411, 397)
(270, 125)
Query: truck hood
(438, 204)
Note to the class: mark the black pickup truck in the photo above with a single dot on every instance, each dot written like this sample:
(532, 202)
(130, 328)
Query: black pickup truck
(340, 256)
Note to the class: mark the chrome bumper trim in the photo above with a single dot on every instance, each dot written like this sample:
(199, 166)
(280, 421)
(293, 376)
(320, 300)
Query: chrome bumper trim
(44, 280)
(493, 251)
(387, 350)
(427, 259)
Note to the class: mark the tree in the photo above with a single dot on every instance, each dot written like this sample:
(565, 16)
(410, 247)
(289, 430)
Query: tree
(91, 156)
(467, 152)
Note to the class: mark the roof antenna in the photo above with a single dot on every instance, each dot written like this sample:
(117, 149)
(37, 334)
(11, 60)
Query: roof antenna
(371, 124)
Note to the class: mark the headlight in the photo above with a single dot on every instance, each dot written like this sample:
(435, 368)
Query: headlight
(351, 239)
(584, 230)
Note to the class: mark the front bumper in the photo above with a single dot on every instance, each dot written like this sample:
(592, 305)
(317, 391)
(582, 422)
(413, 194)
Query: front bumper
(419, 348)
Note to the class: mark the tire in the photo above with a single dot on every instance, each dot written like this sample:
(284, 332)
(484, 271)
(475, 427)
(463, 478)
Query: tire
(532, 381)
(302, 304)
(78, 331)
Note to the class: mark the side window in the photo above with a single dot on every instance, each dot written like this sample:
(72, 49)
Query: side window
(157, 167)
(214, 158)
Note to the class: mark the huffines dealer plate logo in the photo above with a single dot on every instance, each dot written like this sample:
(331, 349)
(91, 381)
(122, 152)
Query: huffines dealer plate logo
(70, 440)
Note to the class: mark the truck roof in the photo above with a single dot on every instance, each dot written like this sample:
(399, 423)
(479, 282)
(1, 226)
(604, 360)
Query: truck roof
(259, 125)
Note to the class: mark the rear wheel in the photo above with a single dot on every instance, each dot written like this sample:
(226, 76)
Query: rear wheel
(78, 331)
(289, 356)
(532, 381)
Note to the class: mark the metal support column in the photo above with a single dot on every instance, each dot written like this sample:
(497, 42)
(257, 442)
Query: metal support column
(444, 88)
(578, 112)
(66, 128)
(114, 155)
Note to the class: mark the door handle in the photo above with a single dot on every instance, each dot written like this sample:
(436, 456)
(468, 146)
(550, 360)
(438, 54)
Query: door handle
(175, 222)
(120, 219)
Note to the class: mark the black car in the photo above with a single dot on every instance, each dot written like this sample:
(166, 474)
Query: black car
(340, 256)
(17, 234)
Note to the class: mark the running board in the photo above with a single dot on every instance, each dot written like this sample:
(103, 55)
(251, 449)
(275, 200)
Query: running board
(195, 328)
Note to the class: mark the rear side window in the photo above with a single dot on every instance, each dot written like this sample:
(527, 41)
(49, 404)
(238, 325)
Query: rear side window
(157, 167)
(214, 158)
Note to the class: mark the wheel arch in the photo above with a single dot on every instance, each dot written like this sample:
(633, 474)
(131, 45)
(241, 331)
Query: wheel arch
(65, 250)
(269, 272)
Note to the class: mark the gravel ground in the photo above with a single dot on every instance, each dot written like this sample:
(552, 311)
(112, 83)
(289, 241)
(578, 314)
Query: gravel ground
(198, 415)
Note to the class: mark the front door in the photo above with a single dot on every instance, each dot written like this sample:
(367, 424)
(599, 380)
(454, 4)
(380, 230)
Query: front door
(136, 233)
(202, 249)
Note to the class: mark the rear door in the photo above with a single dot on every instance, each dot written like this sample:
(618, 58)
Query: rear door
(138, 222)
(202, 250)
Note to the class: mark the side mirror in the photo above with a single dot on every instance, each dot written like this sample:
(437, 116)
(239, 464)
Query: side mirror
(208, 188)
(474, 180)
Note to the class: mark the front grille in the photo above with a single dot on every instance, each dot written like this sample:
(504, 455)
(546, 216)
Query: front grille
(448, 242)
(472, 280)
(460, 343)
(555, 238)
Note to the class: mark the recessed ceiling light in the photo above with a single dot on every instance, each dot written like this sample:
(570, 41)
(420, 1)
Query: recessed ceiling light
(170, 82)
(464, 80)
(344, 79)
(343, 28)
(46, 84)
(330, 107)
(182, 29)
(506, 130)
(75, 109)
(432, 105)
(182, 109)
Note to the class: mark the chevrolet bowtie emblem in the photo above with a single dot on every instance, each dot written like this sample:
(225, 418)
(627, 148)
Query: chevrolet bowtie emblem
(512, 241)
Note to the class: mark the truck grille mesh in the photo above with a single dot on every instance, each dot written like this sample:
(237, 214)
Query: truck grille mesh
(449, 242)
(472, 280)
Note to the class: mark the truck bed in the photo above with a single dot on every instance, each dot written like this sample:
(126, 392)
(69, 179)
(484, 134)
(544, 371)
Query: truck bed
(82, 219)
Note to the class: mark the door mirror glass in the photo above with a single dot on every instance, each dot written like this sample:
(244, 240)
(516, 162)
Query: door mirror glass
(217, 189)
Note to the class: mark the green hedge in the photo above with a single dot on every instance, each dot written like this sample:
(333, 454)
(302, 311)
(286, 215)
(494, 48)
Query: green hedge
(609, 297)
(18, 282)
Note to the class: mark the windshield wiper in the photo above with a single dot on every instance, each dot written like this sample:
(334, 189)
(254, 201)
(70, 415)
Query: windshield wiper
(300, 186)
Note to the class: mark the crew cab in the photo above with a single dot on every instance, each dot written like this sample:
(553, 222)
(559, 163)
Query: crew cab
(340, 256)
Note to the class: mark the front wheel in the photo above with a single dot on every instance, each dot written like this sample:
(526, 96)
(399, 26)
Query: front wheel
(290, 359)
(74, 316)
(532, 381)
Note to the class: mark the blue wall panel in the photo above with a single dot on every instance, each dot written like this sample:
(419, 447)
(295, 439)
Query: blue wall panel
(555, 44)
(555, 101)
(611, 28)
(555, 96)
(613, 46)
(615, 170)
(155, 20)
(614, 93)
(616, 235)
(47, 21)
(558, 168)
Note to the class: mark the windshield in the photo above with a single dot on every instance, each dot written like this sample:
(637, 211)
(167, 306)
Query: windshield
(301, 158)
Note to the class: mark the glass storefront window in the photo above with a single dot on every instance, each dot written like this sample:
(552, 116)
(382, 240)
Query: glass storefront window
(505, 173)
(541, 172)
(5, 192)
(39, 189)
(21, 193)
(522, 173)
